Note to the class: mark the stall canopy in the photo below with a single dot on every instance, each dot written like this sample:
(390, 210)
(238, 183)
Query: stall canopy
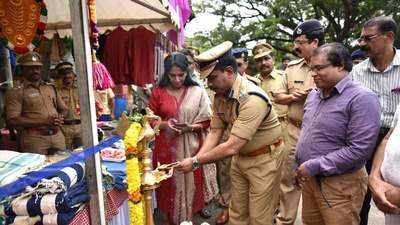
(111, 13)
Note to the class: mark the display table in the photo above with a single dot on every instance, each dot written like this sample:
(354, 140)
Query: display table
(113, 201)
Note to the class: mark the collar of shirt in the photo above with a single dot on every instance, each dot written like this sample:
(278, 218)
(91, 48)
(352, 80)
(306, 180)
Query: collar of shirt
(395, 62)
(272, 75)
(236, 88)
(338, 88)
(28, 83)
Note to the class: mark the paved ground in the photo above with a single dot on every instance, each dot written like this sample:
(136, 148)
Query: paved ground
(376, 217)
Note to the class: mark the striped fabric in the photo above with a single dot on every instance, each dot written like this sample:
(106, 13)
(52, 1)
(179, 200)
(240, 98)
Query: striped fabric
(32, 206)
(385, 84)
(62, 180)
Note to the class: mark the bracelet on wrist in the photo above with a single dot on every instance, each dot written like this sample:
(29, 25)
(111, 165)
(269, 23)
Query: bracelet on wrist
(195, 162)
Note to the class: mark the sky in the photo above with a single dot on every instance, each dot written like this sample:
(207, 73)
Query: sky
(203, 22)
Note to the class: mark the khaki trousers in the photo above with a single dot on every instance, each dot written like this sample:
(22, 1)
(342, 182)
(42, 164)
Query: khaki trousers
(41, 144)
(344, 194)
(289, 195)
(255, 188)
(224, 179)
(72, 135)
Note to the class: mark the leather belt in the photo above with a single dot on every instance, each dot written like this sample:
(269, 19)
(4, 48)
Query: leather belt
(72, 122)
(296, 123)
(44, 131)
(265, 149)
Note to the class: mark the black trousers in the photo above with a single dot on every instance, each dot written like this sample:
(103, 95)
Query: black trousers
(367, 200)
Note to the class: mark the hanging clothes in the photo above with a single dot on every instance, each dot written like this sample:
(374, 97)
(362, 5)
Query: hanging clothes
(141, 56)
(115, 55)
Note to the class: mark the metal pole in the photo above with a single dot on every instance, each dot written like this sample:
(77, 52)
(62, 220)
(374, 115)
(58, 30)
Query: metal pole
(7, 69)
(83, 66)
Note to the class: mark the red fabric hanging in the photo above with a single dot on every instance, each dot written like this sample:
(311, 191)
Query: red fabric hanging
(115, 55)
(141, 51)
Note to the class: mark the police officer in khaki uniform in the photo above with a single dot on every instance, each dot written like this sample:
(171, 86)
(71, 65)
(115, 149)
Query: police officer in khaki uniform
(36, 110)
(270, 77)
(255, 139)
(293, 92)
(69, 94)
(240, 55)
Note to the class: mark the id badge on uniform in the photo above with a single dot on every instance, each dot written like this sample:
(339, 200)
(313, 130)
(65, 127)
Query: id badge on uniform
(33, 95)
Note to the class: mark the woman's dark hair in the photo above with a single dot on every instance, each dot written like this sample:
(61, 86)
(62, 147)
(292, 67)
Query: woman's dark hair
(336, 54)
(179, 60)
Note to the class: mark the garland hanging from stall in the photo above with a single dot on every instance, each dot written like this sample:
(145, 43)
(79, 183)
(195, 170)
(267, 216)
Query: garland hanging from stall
(101, 77)
(22, 24)
(133, 179)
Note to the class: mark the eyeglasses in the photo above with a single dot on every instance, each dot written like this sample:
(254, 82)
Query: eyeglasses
(317, 68)
(368, 38)
(301, 42)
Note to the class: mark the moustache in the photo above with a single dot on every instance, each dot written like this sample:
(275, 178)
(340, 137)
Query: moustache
(365, 48)
(297, 50)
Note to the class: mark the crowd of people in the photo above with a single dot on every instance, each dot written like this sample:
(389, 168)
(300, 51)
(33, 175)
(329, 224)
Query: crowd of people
(324, 128)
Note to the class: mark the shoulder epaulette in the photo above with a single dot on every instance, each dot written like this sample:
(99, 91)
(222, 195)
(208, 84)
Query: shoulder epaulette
(295, 62)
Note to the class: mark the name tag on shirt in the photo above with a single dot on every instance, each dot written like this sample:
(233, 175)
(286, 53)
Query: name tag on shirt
(34, 95)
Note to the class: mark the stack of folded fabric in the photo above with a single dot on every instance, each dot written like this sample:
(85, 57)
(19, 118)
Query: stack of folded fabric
(14, 164)
(53, 201)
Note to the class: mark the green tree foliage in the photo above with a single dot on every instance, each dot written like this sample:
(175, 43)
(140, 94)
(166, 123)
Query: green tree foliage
(274, 20)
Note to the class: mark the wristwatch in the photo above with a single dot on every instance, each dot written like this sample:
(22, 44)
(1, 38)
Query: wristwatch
(195, 162)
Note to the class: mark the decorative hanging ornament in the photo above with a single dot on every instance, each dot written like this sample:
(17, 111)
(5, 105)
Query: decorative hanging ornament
(22, 24)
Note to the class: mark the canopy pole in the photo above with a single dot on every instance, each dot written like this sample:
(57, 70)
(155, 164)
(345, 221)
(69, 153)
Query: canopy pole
(147, 5)
(7, 69)
(83, 66)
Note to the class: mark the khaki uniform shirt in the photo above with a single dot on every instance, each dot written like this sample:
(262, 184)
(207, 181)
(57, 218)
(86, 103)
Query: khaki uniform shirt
(244, 116)
(103, 96)
(33, 102)
(254, 80)
(298, 76)
(70, 97)
(270, 85)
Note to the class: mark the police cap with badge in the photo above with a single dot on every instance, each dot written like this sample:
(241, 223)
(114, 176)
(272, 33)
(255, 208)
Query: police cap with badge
(210, 58)
(306, 27)
(30, 59)
(63, 68)
(262, 50)
(240, 52)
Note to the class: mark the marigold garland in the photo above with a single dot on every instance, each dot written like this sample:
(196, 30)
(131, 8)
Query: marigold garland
(132, 148)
